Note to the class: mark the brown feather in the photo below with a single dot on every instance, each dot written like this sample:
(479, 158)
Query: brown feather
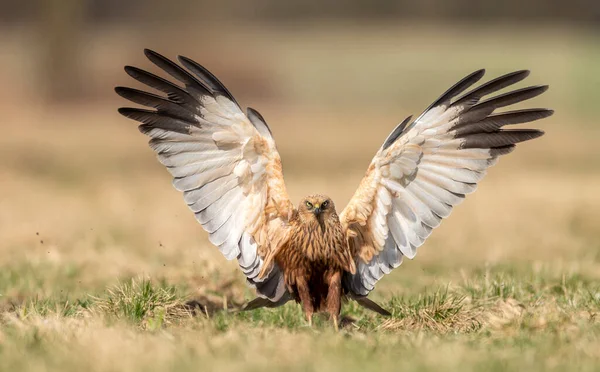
(316, 256)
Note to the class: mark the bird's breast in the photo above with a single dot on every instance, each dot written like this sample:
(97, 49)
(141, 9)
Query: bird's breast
(318, 243)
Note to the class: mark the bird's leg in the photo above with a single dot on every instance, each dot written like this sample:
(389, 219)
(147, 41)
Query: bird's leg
(305, 298)
(334, 297)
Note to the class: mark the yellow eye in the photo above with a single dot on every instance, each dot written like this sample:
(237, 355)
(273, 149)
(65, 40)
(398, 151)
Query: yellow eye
(324, 204)
(309, 205)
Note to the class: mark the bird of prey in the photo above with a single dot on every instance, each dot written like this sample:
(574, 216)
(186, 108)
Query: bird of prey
(227, 166)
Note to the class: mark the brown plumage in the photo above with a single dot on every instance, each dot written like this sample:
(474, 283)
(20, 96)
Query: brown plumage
(227, 166)
(315, 257)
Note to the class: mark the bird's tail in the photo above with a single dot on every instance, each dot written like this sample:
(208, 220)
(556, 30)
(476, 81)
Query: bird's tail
(371, 305)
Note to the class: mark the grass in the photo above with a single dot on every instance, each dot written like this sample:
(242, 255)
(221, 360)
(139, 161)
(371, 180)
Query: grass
(103, 268)
(475, 322)
(141, 301)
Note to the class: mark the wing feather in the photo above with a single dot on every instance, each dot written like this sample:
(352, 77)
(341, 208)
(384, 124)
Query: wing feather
(425, 168)
(223, 161)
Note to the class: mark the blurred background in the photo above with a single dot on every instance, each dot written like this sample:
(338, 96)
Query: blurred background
(84, 202)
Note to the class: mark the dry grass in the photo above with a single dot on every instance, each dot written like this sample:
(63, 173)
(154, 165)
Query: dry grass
(103, 268)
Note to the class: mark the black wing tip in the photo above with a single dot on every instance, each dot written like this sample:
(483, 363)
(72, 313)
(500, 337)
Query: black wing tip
(132, 70)
(153, 56)
(470, 79)
(543, 112)
(532, 133)
(474, 76)
(531, 91)
(536, 133)
(492, 86)
(184, 59)
(500, 138)
(129, 111)
(516, 76)
(521, 73)
(396, 133)
(123, 91)
(513, 77)
(259, 122)
(512, 97)
(192, 65)
(139, 74)
(456, 89)
(479, 73)
(158, 58)
(540, 110)
(207, 77)
(151, 53)
(250, 110)
(535, 90)
(126, 111)
(507, 149)
(133, 94)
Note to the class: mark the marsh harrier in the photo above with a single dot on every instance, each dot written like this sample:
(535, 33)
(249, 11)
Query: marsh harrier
(227, 166)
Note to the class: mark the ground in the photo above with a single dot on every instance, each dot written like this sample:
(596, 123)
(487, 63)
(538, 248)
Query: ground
(102, 267)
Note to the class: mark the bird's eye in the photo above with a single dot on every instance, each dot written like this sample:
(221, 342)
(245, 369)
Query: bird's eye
(309, 205)
(325, 204)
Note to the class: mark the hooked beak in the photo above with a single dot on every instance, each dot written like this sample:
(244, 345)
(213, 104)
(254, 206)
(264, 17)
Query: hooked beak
(317, 211)
(318, 215)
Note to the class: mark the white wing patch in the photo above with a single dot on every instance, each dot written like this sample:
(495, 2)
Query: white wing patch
(229, 173)
(426, 168)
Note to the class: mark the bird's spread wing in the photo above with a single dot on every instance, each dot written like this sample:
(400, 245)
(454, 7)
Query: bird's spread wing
(426, 167)
(223, 161)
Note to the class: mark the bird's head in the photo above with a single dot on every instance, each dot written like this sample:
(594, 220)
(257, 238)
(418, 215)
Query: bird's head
(316, 208)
